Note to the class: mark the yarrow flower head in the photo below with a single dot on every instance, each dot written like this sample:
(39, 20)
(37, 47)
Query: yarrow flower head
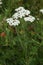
(41, 10)
(13, 22)
(29, 18)
(20, 13)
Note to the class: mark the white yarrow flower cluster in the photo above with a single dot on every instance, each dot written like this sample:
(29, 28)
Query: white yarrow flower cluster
(20, 13)
(41, 10)
(29, 18)
(13, 22)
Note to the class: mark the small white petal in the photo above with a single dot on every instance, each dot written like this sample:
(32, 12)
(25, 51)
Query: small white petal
(0, 3)
(38, 19)
(41, 10)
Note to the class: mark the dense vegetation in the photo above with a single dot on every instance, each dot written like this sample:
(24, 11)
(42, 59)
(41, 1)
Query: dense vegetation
(21, 45)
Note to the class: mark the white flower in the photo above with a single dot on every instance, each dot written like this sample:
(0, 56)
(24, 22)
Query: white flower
(27, 12)
(9, 20)
(21, 14)
(41, 10)
(30, 18)
(19, 9)
(13, 22)
(18, 14)
(0, 3)
(15, 16)
(16, 22)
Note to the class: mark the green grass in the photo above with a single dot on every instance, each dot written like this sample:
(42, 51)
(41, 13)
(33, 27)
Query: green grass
(21, 45)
